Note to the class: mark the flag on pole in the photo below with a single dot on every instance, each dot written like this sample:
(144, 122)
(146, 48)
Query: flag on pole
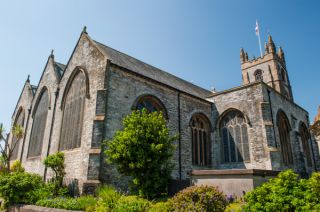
(257, 28)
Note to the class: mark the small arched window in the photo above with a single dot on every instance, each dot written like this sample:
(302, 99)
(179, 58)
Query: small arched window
(73, 111)
(258, 75)
(200, 132)
(151, 104)
(284, 135)
(234, 136)
(15, 142)
(305, 139)
(39, 125)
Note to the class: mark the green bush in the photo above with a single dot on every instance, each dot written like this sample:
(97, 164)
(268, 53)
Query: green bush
(21, 187)
(81, 203)
(143, 150)
(161, 206)
(107, 198)
(286, 192)
(16, 166)
(234, 207)
(199, 198)
(132, 204)
(56, 163)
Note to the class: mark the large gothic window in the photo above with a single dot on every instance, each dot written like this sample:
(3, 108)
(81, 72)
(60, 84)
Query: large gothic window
(15, 142)
(200, 132)
(39, 125)
(73, 111)
(234, 134)
(284, 134)
(305, 138)
(151, 104)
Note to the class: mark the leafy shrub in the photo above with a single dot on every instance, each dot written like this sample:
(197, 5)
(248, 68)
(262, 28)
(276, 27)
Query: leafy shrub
(107, 198)
(143, 150)
(16, 166)
(199, 198)
(80, 203)
(286, 192)
(20, 187)
(234, 207)
(132, 204)
(56, 163)
(161, 206)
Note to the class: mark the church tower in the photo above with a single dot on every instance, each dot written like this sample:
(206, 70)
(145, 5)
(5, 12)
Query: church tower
(270, 68)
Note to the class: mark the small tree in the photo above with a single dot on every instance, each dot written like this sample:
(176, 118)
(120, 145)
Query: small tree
(143, 150)
(56, 163)
(7, 151)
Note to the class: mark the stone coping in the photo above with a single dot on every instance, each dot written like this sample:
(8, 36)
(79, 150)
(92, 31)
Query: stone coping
(253, 172)
(34, 208)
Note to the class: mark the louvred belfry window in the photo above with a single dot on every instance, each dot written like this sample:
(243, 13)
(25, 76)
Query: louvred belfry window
(73, 112)
(15, 143)
(39, 125)
(284, 134)
(234, 136)
(200, 132)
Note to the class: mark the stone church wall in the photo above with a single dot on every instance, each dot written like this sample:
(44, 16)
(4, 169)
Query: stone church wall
(123, 88)
(246, 99)
(50, 81)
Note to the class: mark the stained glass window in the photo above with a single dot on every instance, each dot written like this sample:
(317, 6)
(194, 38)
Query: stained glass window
(151, 104)
(15, 142)
(305, 139)
(234, 136)
(39, 125)
(200, 130)
(284, 134)
(73, 112)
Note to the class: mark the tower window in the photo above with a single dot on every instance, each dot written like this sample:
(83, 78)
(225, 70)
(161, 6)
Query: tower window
(258, 75)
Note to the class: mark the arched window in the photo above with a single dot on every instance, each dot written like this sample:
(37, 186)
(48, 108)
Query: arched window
(234, 134)
(151, 104)
(258, 75)
(284, 134)
(305, 139)
(200, 132)
(73, 111)
(39, 125)
(15, 142)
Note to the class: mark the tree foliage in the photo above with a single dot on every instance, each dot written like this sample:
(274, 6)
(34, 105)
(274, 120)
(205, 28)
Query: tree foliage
(56, 163)
(285, 193)
(6, 148)
(143, 150)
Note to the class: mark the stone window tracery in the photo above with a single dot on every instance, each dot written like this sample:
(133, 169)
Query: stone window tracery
(73, 113)
(234, 135)
(200, 132)
(39, 125)
(284, 135)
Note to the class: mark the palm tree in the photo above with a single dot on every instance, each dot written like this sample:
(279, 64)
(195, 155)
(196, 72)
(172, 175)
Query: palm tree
(6, 151)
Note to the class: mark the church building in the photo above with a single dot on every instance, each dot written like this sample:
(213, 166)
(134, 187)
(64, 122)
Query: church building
(234, 139)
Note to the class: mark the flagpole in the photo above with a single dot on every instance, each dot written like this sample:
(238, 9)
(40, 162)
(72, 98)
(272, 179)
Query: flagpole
(258, 34)
(259, 43)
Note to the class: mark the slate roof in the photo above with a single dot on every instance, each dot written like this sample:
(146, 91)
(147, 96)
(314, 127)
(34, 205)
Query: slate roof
(154, 73)
(59, 69)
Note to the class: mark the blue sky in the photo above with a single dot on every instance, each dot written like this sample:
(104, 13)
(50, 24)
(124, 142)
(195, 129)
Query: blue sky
(196, 40)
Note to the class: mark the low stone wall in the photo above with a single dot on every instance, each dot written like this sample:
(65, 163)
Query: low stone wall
(34, 208)
(232, 181)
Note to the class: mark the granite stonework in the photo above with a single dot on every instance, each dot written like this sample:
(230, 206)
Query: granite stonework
(114, 82)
